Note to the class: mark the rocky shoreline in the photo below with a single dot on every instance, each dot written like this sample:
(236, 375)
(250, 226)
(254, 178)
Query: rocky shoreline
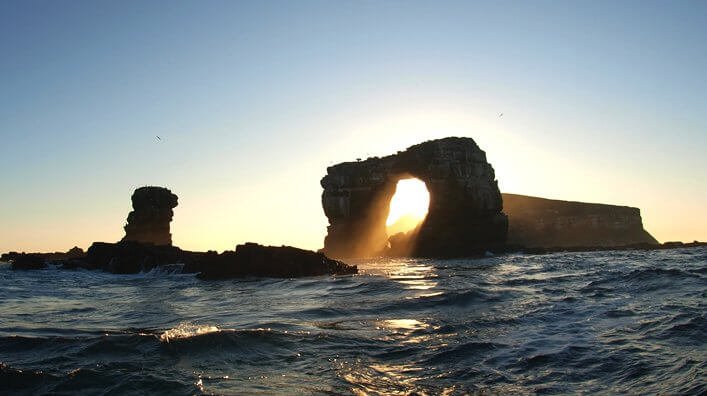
(247, 260)
(635, 246)
(148, 244)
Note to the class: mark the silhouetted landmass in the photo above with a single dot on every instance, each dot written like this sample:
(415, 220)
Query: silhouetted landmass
(127, 257)
(635, 246)
(541, 222)
(464, 217)
(151, 215)
(74, 252)
(27, 261)
(147, 245)
(250, 259)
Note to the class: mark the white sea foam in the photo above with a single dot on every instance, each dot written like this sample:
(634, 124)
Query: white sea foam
(186, 330)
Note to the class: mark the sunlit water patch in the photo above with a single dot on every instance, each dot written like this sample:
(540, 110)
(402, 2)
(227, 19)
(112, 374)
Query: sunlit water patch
(599, 322)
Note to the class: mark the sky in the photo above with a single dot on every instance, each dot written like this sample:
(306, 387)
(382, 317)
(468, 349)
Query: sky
(602, 101)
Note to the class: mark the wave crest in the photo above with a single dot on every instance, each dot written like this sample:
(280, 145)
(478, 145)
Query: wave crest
(187, 330)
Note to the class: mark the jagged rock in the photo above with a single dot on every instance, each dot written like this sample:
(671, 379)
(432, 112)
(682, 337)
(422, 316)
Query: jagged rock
(538, 222)
(27, 261)
(151, 215)
(465, 213)
(128, 257)
(74, 252)
(252, 259)
(9, 256)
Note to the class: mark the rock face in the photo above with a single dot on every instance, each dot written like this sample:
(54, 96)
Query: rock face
(27, 261)
(540, 222)
(252, 259)
(128, 257)
(73, 253)
(148, 245)
(151, 215)
(465, 214)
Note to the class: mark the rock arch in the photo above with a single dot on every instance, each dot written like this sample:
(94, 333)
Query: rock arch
(465, 214)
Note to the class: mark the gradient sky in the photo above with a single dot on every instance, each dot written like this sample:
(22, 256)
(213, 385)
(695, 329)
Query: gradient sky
(602, 101)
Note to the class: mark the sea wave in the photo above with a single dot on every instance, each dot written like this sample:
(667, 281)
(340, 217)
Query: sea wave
(565, 323)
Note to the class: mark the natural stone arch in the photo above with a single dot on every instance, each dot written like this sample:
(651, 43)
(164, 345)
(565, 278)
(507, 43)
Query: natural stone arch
(465, 213)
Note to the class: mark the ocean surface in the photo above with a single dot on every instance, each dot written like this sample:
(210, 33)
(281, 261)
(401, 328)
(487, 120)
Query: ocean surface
(598, 322)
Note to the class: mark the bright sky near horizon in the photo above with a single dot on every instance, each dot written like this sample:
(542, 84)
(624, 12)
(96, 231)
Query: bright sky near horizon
(603, 101)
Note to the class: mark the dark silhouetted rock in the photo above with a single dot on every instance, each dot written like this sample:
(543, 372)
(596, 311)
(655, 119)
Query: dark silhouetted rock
(151, 215)
(128, 257)
(402, 244)
(9, 256)
(548, 223)
(465, 215)
(635, 246)
(147, 245)
(73, 253)
(252, 259)
(27, 261)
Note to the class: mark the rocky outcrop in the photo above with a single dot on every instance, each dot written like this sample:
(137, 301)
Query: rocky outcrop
(465, 213)
(151, 215)
(148, 245)
(252, 259)
(73, 253)
(128, 257)
(27, 261)
(540, 222)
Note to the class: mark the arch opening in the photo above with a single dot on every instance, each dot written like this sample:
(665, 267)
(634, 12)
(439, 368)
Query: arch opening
(407, 210)
(408, 206)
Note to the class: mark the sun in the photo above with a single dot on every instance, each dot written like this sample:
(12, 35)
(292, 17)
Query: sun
(408, 207)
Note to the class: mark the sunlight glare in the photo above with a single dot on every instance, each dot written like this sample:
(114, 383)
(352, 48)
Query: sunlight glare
(409, 203)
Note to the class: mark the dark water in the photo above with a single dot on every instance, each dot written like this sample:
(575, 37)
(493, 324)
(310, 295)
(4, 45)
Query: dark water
(611, 322)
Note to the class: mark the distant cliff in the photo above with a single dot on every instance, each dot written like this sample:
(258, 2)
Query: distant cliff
(540, 222)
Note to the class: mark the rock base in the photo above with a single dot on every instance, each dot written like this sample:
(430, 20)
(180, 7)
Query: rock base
(250, 259)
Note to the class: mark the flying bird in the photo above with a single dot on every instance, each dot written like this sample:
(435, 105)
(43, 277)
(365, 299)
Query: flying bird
(500, 115)
(158, 138)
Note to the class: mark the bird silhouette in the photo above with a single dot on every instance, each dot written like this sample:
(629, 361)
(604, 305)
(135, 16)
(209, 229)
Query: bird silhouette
(158, 138)
(500, 115)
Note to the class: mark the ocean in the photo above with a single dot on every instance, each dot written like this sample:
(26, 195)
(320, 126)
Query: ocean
(608, 322)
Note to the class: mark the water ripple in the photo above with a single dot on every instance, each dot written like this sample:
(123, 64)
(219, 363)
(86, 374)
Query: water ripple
(593, 322)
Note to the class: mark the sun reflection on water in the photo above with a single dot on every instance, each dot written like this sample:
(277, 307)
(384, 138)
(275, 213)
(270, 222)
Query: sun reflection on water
(418, 279)
(403, 324)
(414, 275)
(384, 379)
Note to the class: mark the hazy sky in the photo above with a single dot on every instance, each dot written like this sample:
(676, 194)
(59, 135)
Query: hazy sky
(602, 101)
